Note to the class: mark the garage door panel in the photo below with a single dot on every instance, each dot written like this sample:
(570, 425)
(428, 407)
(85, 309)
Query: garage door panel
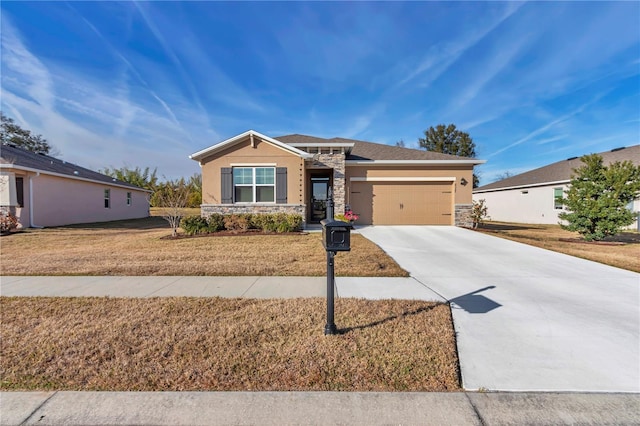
(406, 203)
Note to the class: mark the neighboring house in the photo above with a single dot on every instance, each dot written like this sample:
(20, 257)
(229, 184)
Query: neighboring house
(533, 197)
(46, 191)
(254, 173)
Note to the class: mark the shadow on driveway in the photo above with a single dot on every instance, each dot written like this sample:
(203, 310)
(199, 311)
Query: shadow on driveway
(475, 303)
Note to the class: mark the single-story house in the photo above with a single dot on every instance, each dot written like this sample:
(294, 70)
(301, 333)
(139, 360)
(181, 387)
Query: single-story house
(533, 196)
(45, 191)
(254, 173)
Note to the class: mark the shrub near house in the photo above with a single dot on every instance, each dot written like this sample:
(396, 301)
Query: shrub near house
(276, 222)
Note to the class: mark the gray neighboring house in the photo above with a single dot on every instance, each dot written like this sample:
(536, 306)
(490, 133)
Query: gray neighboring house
(45, 191)
(531, 197)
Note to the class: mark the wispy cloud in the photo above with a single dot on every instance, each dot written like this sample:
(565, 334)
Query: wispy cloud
(548, 126)
(43, 97)
(16, 58)
(441, 56)
(128, 113)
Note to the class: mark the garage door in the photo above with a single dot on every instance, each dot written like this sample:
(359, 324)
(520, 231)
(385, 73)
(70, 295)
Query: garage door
(402, 203)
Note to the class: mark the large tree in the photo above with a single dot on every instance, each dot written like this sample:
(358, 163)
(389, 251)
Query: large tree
(449, 140)
(13, 134)
(598, 196)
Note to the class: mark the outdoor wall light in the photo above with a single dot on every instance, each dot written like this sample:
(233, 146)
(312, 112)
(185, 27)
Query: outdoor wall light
(463, 182)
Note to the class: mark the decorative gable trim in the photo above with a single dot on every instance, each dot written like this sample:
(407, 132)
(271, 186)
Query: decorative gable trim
(200, 155)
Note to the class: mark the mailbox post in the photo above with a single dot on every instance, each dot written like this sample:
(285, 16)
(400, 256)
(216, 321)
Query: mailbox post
(336, 236)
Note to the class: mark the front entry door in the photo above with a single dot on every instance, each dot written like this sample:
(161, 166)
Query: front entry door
(319, 191)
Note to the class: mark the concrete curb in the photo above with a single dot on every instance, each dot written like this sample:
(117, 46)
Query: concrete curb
(315, 408)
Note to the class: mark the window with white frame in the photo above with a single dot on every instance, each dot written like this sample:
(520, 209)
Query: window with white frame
(557, 198)
(128, 198)
(107, 198)
(254, 184)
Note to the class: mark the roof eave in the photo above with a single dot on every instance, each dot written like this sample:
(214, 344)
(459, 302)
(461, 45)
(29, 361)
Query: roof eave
(324, 145)
(529, 185)
(411, 162)
(197, 156)
(46, 172)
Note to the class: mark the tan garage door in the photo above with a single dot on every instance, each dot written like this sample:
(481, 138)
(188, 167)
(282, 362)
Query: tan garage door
(402, 203)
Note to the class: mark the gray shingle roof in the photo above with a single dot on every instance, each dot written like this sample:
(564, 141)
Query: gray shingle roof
(44, 163)
(561, 170)
(363, 151)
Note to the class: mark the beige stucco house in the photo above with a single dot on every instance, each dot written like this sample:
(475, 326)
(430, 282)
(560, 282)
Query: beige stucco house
(534, 196)
(46, 191)
(255, 173)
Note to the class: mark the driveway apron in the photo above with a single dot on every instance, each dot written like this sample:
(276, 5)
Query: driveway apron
(526, 318)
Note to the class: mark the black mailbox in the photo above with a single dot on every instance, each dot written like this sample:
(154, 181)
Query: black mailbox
(336, 235)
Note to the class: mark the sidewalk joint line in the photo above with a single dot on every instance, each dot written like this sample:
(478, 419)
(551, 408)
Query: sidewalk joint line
(429, 288)
(162, 288)
(25, 421)
(250, 287)
(475, 410)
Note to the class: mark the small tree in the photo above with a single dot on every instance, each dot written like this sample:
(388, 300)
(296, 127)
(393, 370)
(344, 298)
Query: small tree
(171, 198)
(479, 212)
(597, 198)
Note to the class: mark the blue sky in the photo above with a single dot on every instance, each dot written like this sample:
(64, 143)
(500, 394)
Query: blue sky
(148, 83)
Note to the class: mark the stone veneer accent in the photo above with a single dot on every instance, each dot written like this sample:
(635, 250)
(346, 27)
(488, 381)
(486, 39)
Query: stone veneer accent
(336, 162)
(207, 210)
(463, 215)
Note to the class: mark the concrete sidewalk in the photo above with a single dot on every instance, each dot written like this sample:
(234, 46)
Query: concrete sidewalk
(250, 287)
(271, 408)
(315, 408)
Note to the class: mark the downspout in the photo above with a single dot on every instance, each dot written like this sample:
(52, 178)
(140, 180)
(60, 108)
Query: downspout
(31, 221)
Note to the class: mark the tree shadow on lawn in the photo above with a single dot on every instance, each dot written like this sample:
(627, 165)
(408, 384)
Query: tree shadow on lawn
(625, 237)
(151, 222)
(493, 226)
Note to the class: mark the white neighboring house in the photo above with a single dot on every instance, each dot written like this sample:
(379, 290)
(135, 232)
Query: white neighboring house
(532, 197)
(46, 191)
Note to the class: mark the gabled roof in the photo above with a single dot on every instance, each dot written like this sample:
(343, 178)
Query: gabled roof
(12, 157)
(241, 137)
(368, 152)
(559, 172)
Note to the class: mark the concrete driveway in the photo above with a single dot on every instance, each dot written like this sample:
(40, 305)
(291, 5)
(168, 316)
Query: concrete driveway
(526, 318)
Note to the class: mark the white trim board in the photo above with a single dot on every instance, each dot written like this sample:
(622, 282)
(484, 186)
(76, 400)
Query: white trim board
(402, 179)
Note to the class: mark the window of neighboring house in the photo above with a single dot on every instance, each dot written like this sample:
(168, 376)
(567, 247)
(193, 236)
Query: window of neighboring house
(128, 198)
(557, 198)
(20, 191)
(107, 198)
(254, 184)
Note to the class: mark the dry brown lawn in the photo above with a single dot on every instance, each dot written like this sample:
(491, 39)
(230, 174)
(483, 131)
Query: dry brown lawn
(225, 344)
(136, 247)
(548, 236)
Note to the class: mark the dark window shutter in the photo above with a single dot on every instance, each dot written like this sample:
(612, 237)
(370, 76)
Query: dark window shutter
(281, 185)
(226, 182)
